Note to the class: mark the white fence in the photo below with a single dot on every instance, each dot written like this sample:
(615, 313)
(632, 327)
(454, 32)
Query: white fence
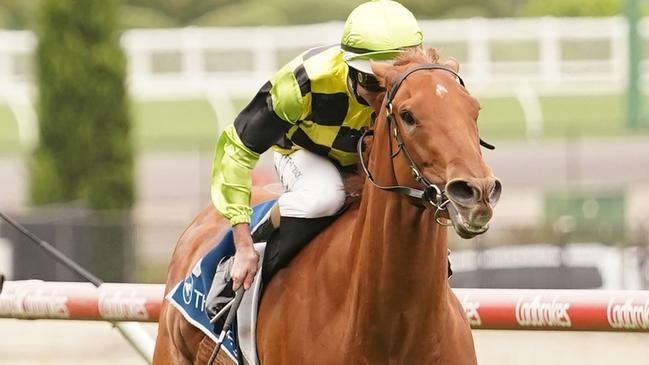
(554, 55)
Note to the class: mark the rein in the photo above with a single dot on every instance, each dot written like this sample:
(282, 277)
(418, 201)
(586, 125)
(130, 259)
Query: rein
(431, 193)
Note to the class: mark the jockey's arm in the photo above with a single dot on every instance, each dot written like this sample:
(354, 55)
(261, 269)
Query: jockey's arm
(231, 184)
(253, 132)
(270, 114)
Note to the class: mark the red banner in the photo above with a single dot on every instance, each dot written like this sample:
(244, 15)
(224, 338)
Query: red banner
(573, 310)
(37, 299)
(570, 310)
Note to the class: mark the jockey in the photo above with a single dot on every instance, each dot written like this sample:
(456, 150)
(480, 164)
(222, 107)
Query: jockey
(311, 113)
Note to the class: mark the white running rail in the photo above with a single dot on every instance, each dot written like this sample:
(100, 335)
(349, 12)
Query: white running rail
(551, 55)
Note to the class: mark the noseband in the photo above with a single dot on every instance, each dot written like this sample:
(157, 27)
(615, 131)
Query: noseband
(431, 193)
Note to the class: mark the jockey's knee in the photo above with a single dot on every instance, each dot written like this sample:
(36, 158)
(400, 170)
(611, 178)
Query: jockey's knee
(324, 203)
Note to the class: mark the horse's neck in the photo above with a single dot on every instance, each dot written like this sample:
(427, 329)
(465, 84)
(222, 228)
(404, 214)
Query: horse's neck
(399, 263)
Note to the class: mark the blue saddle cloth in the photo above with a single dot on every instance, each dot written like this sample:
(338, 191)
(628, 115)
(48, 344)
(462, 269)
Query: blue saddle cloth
(189, 295)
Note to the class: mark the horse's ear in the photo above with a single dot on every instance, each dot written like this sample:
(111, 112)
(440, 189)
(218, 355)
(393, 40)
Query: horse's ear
(453, 64)
(380, 69)
(432, 54)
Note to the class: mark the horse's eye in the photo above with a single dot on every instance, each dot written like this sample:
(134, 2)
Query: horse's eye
(407, 117)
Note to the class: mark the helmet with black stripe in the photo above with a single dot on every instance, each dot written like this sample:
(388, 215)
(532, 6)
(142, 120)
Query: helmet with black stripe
(379, 31)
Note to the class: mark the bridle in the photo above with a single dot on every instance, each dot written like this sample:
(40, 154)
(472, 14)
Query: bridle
(430, 194)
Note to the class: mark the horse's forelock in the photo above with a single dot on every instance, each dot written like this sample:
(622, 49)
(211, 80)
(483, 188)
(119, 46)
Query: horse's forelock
(417, 55)
(412, 56)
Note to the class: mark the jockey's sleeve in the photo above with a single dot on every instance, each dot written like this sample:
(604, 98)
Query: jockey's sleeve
(270, 114)
(231, 178)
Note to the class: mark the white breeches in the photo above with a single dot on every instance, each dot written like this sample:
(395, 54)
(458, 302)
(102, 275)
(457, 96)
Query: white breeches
(313, 185)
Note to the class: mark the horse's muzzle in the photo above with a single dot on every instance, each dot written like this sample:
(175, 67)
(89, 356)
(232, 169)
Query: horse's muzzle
(471, 204)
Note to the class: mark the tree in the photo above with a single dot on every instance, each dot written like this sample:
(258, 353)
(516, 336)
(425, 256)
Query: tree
(85, 149)
(85, 152)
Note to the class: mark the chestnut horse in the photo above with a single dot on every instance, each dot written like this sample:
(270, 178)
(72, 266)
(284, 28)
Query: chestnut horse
(372, 288)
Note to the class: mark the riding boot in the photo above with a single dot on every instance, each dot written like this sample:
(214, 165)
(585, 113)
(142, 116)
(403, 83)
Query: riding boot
(263, 231)
(268, 225)
(288, 240)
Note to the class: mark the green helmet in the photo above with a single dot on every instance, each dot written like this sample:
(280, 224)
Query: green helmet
(378, 30)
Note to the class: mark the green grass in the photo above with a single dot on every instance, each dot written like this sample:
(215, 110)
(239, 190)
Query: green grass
(184, 124)
(192, 124)
(588, 116)
(501, 118)
(580, 115)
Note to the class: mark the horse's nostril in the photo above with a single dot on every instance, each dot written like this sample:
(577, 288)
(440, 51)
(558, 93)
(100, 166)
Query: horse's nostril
(461, 191)
(494, 196)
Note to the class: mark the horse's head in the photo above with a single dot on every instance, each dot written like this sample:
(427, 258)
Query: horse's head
(431, 121)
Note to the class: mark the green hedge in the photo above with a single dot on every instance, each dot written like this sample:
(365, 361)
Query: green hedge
(85, 150)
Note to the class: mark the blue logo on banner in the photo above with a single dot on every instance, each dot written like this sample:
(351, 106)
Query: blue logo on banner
(188, 289)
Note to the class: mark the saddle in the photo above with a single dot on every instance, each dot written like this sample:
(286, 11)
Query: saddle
(282, 246)
(246, 319)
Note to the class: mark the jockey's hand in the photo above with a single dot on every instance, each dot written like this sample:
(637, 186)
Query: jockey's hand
(246, 258)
